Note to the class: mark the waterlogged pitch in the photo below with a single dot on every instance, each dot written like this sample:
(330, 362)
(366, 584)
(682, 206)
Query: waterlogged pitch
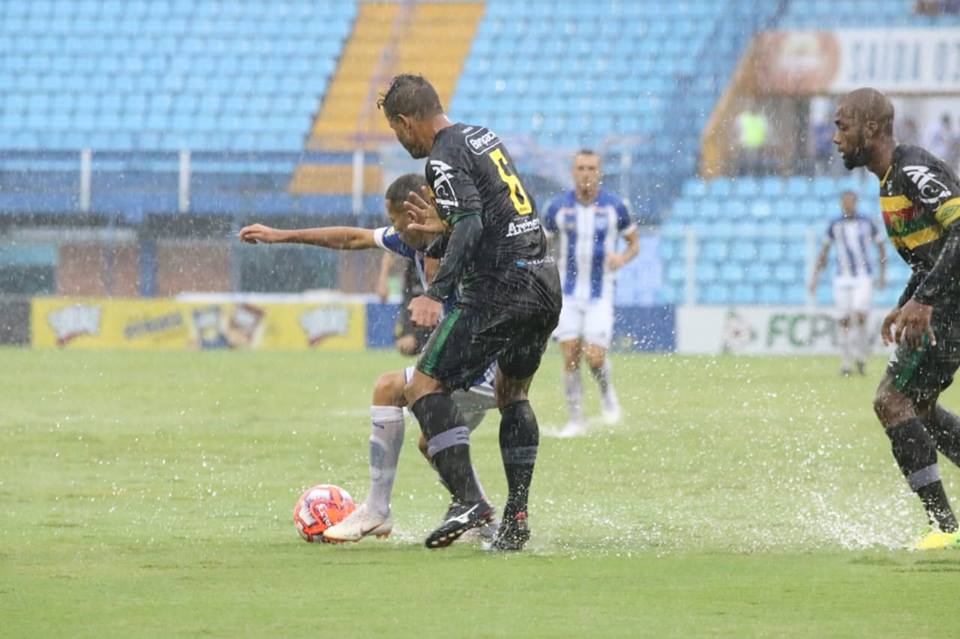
(151, 494)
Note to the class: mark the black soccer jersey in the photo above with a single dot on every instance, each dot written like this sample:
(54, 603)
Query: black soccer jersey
(471, 173)
(920, 198)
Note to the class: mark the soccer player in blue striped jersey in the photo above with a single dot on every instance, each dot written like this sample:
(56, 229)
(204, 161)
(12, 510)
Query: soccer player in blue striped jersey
(587, 222)
(852, 235)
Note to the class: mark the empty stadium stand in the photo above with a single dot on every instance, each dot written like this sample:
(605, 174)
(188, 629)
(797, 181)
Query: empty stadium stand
(756, 237)
(165, 74)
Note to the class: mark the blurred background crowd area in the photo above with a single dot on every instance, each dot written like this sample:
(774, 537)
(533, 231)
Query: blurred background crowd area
(138, 136)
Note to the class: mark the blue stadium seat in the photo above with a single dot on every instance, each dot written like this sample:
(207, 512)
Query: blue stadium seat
(115, 68)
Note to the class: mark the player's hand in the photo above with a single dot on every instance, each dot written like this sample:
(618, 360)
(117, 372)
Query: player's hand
(259, 233)
(407, 344)
(425, 311)
(888, 322)
(616, 261)
(423, 213)
(913, 324)
(881, 282)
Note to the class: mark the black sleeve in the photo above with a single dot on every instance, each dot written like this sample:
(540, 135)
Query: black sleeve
(460, 252)
(908, 290)
(437, 247)
(945, 272)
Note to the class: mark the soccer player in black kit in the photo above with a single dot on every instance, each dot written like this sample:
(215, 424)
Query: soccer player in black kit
(920, 199)
(509, 305)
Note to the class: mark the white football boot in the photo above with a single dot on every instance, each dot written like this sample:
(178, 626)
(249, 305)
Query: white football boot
(610, 408)
(573, 429)
(361, 523)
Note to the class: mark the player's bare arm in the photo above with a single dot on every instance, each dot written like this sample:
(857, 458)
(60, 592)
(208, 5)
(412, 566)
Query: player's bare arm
(619, 260)
(818, 267)
(343, 238)
(383, 279)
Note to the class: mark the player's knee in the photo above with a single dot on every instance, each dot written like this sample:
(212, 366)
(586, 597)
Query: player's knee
(891, 408)
(388, 391)
(596, 361)
(419, 386)
(509, 393)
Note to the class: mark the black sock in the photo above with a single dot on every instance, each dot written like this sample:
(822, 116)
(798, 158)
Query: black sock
(916, 453)
(945, 428)
(448, 441)
(519, 439)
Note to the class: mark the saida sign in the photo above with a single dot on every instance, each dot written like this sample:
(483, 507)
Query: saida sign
(763, 330)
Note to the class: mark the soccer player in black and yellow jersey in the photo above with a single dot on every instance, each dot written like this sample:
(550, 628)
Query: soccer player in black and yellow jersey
(509, 305)
(920, 199)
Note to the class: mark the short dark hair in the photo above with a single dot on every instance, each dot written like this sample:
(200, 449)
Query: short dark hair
(410, 95)
(587, 152)
(850, 192)
(398, 189)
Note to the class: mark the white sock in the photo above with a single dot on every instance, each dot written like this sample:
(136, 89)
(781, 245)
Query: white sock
(573, 388)
(386, 440)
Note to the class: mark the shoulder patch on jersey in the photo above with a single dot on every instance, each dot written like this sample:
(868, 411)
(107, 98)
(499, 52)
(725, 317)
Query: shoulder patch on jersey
(443, 191)
(931, 189)
(481, 140)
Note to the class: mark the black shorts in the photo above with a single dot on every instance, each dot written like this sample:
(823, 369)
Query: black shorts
(470, 338)
(924, 373)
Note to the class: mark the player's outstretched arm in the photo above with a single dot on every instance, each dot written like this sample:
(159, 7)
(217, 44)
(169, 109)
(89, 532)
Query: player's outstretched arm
(342, 238)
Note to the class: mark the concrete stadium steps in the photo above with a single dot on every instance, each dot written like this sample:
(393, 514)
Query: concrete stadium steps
(389, 38)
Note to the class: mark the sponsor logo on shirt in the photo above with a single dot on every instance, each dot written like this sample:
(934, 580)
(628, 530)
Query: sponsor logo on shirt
(443, 191)
(930, 188)
(482, 141)
(519, 228)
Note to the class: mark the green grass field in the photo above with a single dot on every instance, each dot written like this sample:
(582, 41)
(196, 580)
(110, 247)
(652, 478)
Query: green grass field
(150, 495)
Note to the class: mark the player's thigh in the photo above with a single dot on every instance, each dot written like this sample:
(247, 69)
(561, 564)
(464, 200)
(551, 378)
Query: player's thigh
(843, 296)
(571, 322)
(528, 340)
(461, 348)
(922, 374)
(861, 296)
(598, 325)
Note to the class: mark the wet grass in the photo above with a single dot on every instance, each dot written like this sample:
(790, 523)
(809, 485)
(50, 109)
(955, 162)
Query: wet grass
(150, 494)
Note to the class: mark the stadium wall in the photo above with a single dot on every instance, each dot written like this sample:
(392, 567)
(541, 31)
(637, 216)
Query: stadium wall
(338, 322)
(325, 322)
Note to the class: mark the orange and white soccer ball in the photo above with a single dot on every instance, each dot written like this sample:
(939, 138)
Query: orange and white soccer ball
(319, 508)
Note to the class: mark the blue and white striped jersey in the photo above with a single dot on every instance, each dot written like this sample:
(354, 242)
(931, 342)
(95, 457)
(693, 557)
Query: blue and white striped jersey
(851, 237)
(388, 239)
(588, 234)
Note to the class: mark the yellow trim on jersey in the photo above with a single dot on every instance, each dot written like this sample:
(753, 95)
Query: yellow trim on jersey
(918, 238)
(883, 182)
(895, 203)
(949, 212)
